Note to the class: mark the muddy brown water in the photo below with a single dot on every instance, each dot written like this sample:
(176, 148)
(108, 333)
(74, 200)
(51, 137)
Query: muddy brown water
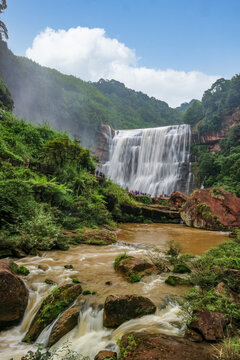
(93, 266)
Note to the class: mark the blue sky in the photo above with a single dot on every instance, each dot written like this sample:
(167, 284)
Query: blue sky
(182, 35)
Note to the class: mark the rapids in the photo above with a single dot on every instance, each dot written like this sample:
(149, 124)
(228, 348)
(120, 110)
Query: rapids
(92, 265)
(154, 161)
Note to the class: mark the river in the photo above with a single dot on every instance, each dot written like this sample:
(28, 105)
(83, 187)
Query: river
(93, 266)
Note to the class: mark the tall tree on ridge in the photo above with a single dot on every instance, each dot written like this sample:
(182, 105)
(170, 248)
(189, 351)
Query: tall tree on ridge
(3, 28)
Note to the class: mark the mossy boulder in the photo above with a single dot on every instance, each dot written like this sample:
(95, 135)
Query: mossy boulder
(212, 209)
(92, 237)
(56, 302)
(181, 269)
(176, 280)
(118, 309)
(132, 268)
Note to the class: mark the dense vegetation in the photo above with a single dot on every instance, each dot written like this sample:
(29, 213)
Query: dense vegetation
(220, 169)
(220, 100)
(68, 103)
(135, 109)
(47, 184)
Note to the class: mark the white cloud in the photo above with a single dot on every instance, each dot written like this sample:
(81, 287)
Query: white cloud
(90, 55)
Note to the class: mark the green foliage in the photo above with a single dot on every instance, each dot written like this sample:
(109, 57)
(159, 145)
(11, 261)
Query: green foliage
(57, 190)
(118, 259)
(144, 199)
(181, 269)
(20, 270)
(219, 169)
(134, 276)
(86, 292)
(132, 343)
(221, 99)
(68, 266)
(75, 281)
(207, 300)
(6, 101)
(49, 282)
(212, 267)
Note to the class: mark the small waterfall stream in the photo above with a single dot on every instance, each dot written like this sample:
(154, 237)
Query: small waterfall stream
(155, 161)
(94, 267)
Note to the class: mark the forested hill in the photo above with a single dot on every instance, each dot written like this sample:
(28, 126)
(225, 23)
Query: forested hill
(136, 110)
(68, 103)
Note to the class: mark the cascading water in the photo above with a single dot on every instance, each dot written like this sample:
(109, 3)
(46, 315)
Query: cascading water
(154, 161)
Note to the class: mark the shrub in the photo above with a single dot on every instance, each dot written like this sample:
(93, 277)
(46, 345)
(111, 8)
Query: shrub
(20, 270)
(119, 258)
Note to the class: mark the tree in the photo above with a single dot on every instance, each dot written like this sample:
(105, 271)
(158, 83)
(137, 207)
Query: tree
(3, 28)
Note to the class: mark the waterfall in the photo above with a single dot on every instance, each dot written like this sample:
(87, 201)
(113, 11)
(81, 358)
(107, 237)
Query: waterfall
(155, 161)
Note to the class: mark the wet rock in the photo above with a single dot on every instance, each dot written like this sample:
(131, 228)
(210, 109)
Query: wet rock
(177, 199)
(212, 209)
(104, 355)
(143, 346)
(57, 301)
(65, 323)
(210, 324)
(193, 335)
(118, 309)
(13, 296)
(133, 268)
(43, 267)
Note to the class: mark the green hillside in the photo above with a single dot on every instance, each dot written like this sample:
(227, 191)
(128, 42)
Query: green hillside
(135, 109)
(47, 184)
(68, 103)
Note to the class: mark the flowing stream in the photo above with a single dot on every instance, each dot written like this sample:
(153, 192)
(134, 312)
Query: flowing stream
(155, 161)
(93, 266)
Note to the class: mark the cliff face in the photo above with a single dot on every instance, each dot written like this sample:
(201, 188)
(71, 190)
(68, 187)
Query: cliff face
(103, 138)
(212, 139)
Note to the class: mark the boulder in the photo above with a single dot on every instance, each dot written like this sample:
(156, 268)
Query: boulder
(143, 346)
(64, 324)
(13, 296)
(210, 324)
(104, 355)
(177, 199)
(212, 209)
(118, 309)
(95, 237)
(132, 268)
(56, 302)
(193, 335)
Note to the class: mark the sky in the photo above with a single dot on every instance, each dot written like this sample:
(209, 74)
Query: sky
(170, 49)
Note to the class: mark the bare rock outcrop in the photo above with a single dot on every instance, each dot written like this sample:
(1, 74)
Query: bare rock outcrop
(210, 324)
(212, 209)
